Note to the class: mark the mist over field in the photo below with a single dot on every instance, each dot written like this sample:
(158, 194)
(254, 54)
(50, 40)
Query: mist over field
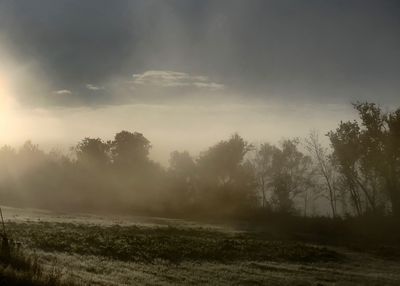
(191, 74)
(199, 142)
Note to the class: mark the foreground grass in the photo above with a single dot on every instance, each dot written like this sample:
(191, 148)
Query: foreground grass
(193, 254)
(98, 271)
(19, 268)
(176, 245)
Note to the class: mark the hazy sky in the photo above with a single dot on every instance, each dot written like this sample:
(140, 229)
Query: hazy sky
(189, 73)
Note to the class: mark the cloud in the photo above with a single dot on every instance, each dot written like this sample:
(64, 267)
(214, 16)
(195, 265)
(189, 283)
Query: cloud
(63, 92)
(164, 78)
(93, 87)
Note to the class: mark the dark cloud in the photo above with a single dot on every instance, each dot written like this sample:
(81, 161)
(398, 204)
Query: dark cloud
(317, 50)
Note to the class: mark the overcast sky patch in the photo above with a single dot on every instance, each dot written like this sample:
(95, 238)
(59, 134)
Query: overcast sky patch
(307, 50)
(63, 92)
(93, 87)
(164, 78)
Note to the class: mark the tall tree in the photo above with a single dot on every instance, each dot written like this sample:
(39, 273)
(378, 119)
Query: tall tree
(345, 141)
(93, 152)
(324, 168)
(263, 162)
(368, 156)
(182, 174)
(392, 154)
(292, 175)
(283, 173)
(130, 150)
(224, 176)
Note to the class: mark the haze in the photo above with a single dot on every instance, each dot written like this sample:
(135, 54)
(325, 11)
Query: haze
(199, 142)
(187, 74)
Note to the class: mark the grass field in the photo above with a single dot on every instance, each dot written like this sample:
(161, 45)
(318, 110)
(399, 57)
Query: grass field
(96, 250)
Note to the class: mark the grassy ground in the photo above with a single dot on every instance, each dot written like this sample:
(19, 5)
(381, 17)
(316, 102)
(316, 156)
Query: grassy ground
(18, 267)
(172, 244)
(94, 251)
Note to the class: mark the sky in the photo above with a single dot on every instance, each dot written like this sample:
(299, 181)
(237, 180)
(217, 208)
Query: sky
(189, 73)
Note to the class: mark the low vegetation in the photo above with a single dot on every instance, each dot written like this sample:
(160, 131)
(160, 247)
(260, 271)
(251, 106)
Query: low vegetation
(284, 251)
(21, 268)
(144, 244)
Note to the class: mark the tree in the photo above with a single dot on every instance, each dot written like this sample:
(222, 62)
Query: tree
(225, 178)
(368, 156)
(324, 168)
(129, 149)
(391, 172)
(283, 173)
(92, 152)
(291, 175)
(223, 160)
(346, 150)
(182, 175)
(263, 164)
(182, 164)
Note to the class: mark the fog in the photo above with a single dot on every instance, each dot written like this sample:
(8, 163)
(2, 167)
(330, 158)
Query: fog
(188, 76)
(191, 121)
(169, 128)
(184, 142)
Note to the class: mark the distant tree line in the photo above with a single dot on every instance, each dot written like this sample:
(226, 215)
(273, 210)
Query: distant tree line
(358, 175)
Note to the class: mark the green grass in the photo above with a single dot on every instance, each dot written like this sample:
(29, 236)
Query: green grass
(107, 251)
(19, 268)
(145, 244)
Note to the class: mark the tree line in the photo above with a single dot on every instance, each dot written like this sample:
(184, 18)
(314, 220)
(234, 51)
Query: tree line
(357, 174)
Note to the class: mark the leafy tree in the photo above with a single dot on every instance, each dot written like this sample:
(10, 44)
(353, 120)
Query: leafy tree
(182, 165)
(224, 176)
(391, 171)
(346, 153)
(223, 160)
(182, 174)
(292, 175)
(129, 149)
(92, 151)
(283, 173)
(368, 156)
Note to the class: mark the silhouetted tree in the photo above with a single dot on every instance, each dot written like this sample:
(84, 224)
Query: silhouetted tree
(129, 149)
(346, 153)
(264, 164)
(283, 173)
(92, 151)
(391, 171)
(182, 174)
(368, 156)
(224, 177)
(292, 175)
(118, 175)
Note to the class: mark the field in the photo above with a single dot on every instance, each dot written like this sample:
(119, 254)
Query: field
(103, 250)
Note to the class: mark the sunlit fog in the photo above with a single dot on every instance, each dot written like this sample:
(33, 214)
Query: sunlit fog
(188, 142)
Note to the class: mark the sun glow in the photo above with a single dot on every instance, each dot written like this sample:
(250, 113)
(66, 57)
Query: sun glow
(8, 109)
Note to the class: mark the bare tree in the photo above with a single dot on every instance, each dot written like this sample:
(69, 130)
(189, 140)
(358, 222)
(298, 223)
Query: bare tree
(324, 167)
(263, 164)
